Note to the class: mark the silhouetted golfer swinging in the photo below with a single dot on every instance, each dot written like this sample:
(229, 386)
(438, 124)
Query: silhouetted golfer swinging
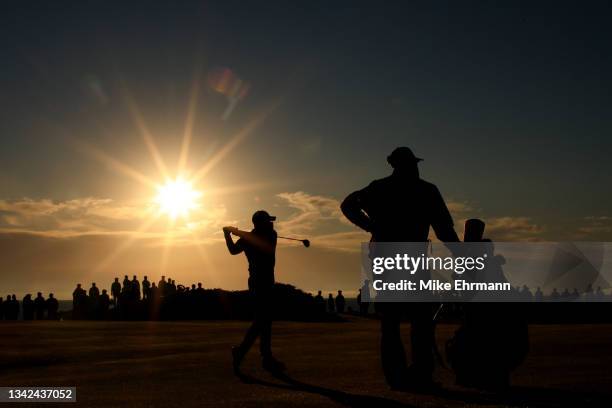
(401, 208)
(259, 246)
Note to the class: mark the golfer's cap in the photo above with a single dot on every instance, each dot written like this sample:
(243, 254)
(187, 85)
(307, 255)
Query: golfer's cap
(403, 155)
(261, 216)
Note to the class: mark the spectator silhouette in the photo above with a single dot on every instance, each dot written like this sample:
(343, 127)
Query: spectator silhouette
(28, 307)
(364, 306)
(116, 291)
(135, 288)
(319, 304)
(93, 301)
(146, 288)
(1, 308)
(599, 295)
(75, 295)
(526, 294)
(539, 296)
(259, 246)
(331, 304)
(40, 305)
(401, 208)
(169, 289)
(14, 308)
(79, 302)
(52, 307)
(126, 284)
(94, 292)
(340, 302)
(154, 291)
(6, 306)
(161, 287)
(588, 293)
(104, 303)
(554, 295)
(566, 294)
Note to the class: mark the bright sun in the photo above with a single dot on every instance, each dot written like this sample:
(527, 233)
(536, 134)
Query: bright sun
(177, 197)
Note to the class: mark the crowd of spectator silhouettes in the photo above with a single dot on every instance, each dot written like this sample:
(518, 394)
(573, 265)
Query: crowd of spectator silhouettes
(589, 294)
(525, 294)
(31, 309)
(132, 299)
(338, 304)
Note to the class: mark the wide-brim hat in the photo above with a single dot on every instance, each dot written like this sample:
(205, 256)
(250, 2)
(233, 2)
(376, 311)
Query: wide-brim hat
(403, 155)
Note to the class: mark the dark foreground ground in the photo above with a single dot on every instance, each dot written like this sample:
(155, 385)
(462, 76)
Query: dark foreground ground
(169, 364)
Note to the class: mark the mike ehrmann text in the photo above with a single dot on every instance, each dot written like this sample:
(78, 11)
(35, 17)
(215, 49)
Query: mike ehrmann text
(437, 285)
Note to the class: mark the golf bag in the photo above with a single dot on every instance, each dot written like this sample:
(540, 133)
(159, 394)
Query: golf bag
(492, 339)
(490, 343)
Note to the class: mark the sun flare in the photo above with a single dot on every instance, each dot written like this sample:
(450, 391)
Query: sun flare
(177, 198)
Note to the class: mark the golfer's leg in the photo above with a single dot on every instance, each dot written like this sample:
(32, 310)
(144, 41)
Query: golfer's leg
(250, 337)
(265, 338)
(392, 349)
(264, 317)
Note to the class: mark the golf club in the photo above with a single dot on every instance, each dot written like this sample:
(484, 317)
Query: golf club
(303, 241)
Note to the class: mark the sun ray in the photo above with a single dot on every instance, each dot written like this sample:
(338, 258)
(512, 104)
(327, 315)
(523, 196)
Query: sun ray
(168, 241)
(208, 266)
(234, 141)
(146, 135)
(240, 188)
(179, 200)
(189, 122)
(133, 236)
(115, 164)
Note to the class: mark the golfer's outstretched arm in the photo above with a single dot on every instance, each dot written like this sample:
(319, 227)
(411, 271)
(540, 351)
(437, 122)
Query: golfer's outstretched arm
(233, 247)
(353, 210)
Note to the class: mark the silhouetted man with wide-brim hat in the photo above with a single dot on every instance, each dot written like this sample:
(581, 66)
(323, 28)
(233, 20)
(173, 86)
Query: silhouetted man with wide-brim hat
(401, 208)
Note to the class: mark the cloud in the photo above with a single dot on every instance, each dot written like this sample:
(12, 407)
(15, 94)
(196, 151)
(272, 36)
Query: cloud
(100, 216)
(513, 229)
(459, 208)
(52, 244)
(316, 217)
(86, 215)
(498, 228)
(320, 218)
(596, 227)
(313, 211)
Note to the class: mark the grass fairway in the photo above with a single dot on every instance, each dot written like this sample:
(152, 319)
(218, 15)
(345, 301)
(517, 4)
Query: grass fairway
(180, 364)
